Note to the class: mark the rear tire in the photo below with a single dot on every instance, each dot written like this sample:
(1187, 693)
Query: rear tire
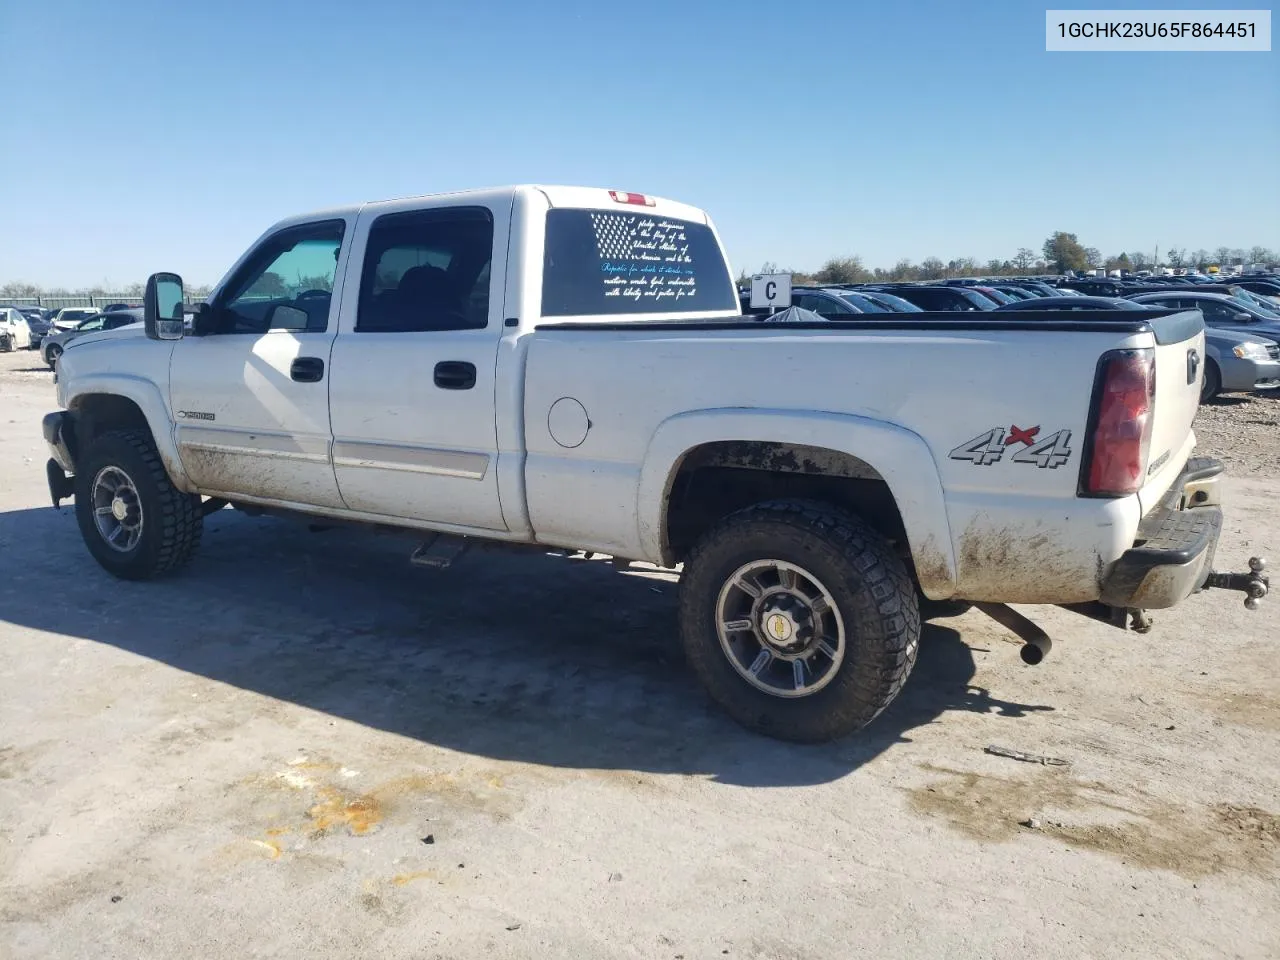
(134, 521)
(52, 354)
(838, 599)
(1212, 384)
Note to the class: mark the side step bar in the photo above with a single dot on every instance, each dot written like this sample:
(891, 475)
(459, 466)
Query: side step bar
(439, 551)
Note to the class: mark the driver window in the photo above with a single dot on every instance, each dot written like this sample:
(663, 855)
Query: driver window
(287, 285)
(94, 324)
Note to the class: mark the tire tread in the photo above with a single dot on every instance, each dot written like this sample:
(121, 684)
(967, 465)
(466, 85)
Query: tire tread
(180, 517)
(888, 605)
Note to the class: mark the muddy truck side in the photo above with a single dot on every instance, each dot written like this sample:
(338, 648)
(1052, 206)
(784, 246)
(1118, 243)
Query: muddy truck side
(566, 367)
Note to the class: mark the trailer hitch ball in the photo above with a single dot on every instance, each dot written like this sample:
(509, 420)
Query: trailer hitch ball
(1254, 585)
(1259, 584)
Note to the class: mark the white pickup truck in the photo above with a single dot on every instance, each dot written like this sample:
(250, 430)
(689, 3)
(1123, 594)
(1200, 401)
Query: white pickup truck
(568, 367)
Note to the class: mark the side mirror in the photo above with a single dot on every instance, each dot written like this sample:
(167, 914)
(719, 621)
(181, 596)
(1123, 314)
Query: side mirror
(162, 307)
(1243, 318)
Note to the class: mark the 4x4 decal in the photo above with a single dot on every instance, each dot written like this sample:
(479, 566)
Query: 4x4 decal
(988, 448)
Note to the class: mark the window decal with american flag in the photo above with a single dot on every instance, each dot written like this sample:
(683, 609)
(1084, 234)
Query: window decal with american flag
(643, 258)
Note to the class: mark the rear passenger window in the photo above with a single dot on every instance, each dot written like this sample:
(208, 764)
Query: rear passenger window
(426, 271)
(609, 262)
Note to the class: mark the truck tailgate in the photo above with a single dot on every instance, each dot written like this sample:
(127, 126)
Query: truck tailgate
(1180, 362)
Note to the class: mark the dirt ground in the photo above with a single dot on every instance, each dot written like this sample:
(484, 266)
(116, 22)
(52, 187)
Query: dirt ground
(305, 747)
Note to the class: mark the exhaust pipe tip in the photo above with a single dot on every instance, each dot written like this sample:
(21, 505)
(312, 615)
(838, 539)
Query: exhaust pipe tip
(1036, 643)
(1034, 651)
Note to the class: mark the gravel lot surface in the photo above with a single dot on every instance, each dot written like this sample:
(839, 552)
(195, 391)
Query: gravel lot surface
(1243, 430)
(304, 747)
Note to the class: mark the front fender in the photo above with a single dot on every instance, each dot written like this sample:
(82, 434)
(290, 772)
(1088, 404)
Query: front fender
(900, 456)
(146, 394)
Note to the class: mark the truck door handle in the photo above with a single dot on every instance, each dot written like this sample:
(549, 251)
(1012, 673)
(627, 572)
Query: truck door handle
(307, 369)
(455, 375)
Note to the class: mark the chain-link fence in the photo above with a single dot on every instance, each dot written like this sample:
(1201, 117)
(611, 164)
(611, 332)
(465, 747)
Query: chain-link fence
(97, 301)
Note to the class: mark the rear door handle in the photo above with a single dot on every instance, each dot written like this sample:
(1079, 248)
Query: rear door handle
(307, 369)
(455, 375)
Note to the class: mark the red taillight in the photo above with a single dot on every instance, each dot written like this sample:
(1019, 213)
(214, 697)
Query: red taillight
(639, 199)
(1124, 398)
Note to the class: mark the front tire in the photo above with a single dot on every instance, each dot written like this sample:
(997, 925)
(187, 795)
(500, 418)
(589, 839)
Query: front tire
(1212, 384)
(134, 521)
(52, 354)
(799, 620)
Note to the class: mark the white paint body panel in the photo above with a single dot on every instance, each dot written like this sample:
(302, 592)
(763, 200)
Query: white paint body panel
(405, 447)
(269, 435)
(376, 440)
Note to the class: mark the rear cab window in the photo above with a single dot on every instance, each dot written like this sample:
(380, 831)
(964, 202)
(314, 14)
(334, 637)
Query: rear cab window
(617, 263)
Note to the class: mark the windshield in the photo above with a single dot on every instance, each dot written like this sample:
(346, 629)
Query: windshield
(863, 303)
(606, 262)
(896, 304)
(1258, 304)
(977, 299)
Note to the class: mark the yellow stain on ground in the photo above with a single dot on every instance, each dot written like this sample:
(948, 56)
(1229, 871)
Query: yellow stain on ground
(402, 879)
(273, 849)
(359, 814)
(335, 809)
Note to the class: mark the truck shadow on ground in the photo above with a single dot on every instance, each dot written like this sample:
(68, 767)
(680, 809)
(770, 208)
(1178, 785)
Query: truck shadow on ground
(515, 656)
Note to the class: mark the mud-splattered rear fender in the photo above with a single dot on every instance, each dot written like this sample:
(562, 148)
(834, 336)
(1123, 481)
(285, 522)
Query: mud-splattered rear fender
(1038, 549)
(900, 456)
(146, 394)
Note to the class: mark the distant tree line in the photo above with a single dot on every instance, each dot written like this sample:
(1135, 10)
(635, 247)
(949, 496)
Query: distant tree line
(1059, 253)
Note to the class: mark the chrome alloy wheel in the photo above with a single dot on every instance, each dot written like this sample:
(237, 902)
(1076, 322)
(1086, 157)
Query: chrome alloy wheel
(117, 511)
(780, 628)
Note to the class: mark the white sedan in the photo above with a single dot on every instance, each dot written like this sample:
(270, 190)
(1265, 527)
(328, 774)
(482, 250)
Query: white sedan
(14, 332)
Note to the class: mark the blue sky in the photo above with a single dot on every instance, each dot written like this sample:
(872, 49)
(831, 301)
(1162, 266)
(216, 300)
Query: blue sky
(146, 135)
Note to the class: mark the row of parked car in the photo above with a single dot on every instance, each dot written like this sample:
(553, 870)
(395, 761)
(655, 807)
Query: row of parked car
(1242, 317)
(33, 328)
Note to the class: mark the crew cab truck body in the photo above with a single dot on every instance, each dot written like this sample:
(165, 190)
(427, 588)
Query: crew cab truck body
(568, 367)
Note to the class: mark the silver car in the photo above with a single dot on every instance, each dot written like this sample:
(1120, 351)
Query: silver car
(1237, 334)
(1238, 363)
(54, 343)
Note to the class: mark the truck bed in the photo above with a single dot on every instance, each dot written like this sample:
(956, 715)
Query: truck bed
(917, 398)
